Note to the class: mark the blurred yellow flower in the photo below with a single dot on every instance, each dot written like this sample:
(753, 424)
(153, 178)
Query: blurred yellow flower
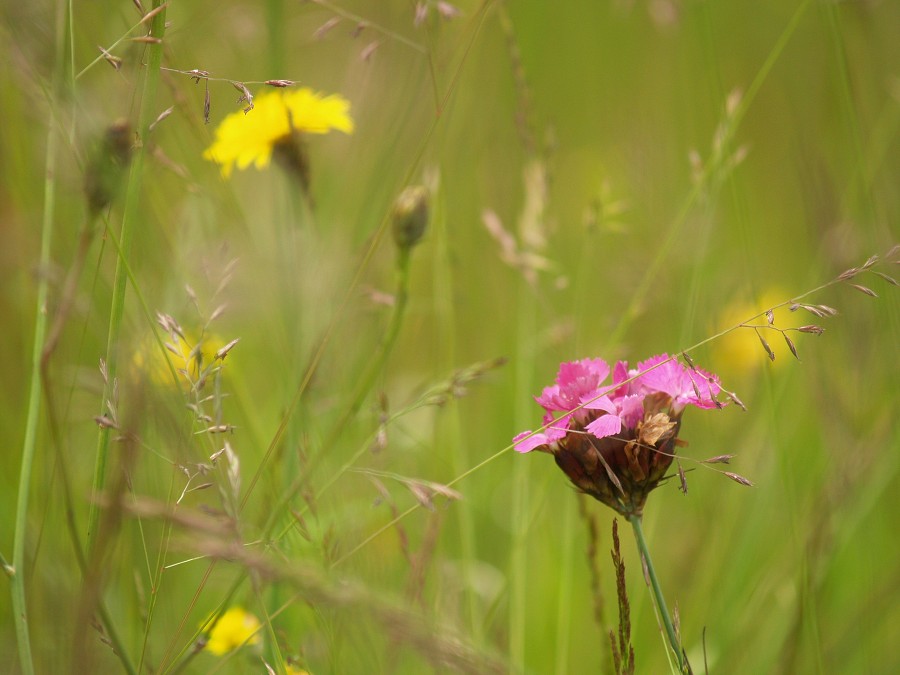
(235, 628)
(740, 351)
(250, 138)
(185, 354)
(295, 670)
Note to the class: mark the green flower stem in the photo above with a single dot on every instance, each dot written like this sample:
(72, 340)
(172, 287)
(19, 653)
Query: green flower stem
(131, 214)
(657, 593)
(387, 344)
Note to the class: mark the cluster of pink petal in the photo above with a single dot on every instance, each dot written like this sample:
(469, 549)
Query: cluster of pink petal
(580, 383)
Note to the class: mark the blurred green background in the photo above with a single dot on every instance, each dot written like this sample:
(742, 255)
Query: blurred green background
(667, 169)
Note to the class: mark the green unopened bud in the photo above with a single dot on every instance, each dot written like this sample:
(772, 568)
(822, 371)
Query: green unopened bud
(410, 216)
(107, 166)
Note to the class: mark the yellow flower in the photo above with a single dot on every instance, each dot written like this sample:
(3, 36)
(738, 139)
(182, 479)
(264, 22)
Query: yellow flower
(249, 138)
(295, 670)
(191, 357)
(235, 628)
(741, 352)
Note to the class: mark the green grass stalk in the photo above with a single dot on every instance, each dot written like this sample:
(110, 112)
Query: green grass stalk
(147, 114)
(519, 512)
(450, 435)
(390, 337)
(17, 579)
(564, 604)
(29, 444)
(856, 189)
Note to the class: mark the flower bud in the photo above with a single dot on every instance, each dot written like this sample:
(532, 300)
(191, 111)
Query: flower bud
(410, 216)
(107, 166)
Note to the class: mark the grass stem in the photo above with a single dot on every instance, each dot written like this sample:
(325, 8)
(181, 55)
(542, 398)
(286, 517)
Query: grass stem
(16, 571)
(390, 338)
(131, 214)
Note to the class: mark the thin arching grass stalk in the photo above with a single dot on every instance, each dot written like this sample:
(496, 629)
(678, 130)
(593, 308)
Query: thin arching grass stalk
(131, 215)
(322, 486)
(389, 525)
(86, 237)
(426, 399)
(359, 20)
(115, 44)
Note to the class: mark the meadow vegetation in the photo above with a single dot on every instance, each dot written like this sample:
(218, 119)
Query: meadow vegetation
(280, 281)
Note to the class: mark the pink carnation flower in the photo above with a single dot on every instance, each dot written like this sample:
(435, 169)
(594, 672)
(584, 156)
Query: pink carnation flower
(580, 384)
(616, 440)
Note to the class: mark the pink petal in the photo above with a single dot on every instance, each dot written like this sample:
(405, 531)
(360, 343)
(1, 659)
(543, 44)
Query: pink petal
(632, 410)
(605, 425)
(522, 442)
(602, 403)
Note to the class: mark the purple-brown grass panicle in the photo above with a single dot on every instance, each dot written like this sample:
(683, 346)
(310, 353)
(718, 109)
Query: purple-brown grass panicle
(616, 442)
(620, 641)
